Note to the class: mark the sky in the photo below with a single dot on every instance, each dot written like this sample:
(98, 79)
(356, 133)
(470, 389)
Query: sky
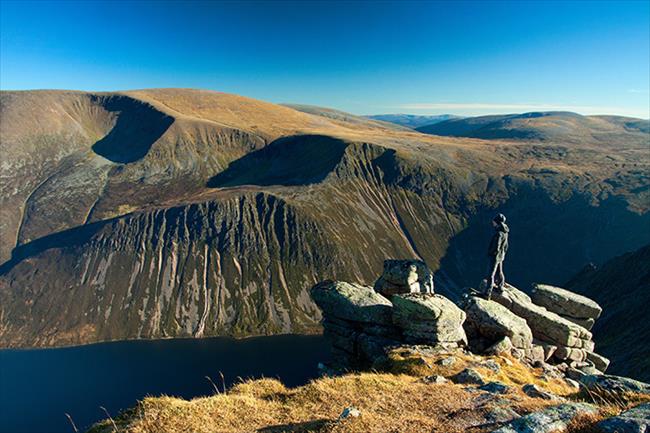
(368, 57)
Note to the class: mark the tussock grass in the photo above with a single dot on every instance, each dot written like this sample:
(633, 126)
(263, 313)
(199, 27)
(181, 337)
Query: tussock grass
(393, 401)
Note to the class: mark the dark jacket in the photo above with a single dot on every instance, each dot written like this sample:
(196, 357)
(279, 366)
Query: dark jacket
(499, 243)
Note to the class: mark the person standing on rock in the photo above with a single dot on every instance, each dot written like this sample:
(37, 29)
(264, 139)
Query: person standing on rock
(497, 253)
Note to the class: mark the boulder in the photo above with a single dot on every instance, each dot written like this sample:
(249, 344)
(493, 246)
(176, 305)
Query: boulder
(613, 384)
(469, 376)
(494, 321)
(599, 361)
(551, 419)
(495, 387)
(352, 302)
(545, 325)
(635, 420)
(428, 318)
(404, 276)
(565, 302)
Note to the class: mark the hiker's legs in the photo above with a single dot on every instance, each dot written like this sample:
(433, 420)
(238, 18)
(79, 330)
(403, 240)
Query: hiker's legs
(493, 272)
(502, 277)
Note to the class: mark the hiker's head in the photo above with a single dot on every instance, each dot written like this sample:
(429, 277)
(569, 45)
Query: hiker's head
(499, 220)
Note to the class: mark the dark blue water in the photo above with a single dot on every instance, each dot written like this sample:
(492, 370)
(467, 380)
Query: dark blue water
(37, 387)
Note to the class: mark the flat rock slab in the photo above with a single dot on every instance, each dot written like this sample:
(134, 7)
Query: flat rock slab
(565, 302)
(610, 383)
(635, 420)
(352, 302)
(551, 419)
(546, 325)
(494, 321)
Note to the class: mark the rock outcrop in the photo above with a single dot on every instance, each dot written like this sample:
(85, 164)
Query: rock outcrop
(360, 323)
(635, 420)
(569, 305)
(357, 321)
(404, 276)
(488, 322)
(557, 338)
(428, 319)
(552, 419)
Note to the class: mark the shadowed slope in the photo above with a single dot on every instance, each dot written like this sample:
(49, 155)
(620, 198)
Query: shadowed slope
(137, 127)
(296, 160)
(622, 287)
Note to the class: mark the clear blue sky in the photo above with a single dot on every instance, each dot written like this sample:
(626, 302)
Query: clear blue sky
(363, 57)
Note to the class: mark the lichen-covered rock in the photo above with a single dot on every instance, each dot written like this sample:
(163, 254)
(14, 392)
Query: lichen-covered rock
(545, 325)
(428, 318)
(610, 383)
(494, 321)
(551, 419)
(352, 302)
(635, 420)
(404, 276)
(495, 387)
(469, 376)
(565, 302)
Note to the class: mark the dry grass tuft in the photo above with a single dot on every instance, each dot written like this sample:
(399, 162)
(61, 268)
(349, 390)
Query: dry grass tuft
(395, 401)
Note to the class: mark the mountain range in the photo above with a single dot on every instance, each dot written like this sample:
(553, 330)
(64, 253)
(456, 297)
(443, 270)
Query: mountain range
(412, 120)
(188, 213)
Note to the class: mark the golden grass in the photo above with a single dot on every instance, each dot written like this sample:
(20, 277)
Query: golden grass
(388, 401)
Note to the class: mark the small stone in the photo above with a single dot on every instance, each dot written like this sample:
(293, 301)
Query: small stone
(349, 412)
(447, 362)
(434, 379)
(532, 390)
(469, 376)
(495, 388)
(492, 365)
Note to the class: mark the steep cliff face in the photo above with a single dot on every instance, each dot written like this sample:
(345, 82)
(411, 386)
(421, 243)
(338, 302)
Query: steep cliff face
(186, 213)
(622, 287)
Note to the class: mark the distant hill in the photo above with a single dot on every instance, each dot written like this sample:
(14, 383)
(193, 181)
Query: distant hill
(622, 287)
(344, 117)
(412, 120)
(556, 126)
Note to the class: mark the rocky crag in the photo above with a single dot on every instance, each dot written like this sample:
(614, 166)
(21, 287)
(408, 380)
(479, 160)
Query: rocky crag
(549, 331)
(547, 328)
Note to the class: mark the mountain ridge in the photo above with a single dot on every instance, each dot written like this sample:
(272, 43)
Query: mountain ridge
(296, 195)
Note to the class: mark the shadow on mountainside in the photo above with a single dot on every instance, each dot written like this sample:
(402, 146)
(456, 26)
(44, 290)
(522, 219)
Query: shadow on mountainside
(67, 238)
(137, 128)
(549, 242)
(295, 160)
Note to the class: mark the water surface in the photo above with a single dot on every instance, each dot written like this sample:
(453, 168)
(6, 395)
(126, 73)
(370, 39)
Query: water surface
(38, 386)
